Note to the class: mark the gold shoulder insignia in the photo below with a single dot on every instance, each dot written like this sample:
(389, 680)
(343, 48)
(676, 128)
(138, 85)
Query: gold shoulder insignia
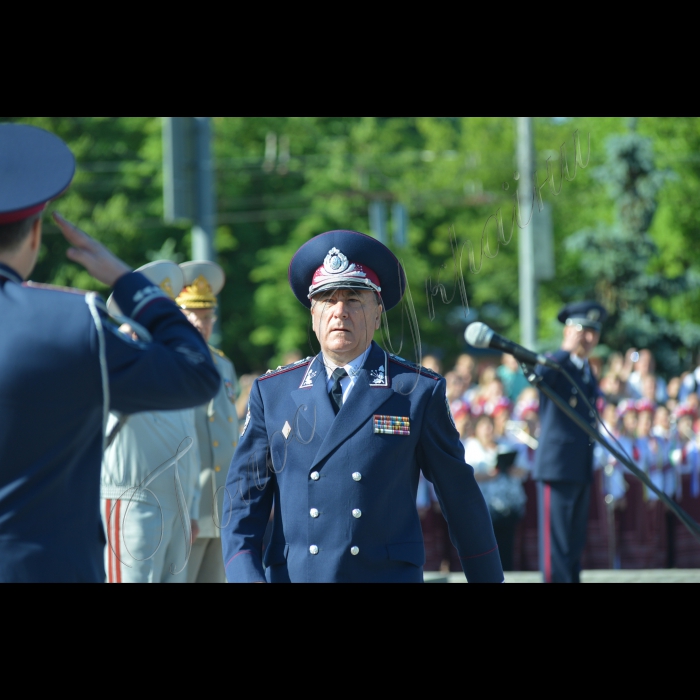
(218, 352)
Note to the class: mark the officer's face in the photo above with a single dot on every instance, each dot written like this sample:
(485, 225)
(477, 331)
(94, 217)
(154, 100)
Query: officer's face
(202, 319)
(344, 321)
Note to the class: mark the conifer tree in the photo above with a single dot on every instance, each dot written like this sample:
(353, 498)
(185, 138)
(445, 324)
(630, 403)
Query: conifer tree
(618, 260)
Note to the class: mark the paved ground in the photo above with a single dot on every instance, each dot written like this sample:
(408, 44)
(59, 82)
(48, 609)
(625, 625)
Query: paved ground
(596, 576)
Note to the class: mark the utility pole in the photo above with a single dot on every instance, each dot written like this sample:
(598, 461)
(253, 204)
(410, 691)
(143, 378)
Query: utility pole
(189, 180)
(205, 203)
(188, 185)
(526, 247)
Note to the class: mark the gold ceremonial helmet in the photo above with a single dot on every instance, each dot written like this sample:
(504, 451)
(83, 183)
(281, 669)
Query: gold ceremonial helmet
(165, 274)
(203, 280)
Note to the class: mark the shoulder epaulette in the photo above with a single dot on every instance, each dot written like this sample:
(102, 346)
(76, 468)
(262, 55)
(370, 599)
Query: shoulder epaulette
(424, 371)
(218, 352)
(54, 288)
(287, 368)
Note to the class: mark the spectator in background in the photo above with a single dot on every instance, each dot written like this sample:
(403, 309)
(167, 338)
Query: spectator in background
(502, 489)
(653, 449)
(432, 363)
(616, 364)
(463, 420)
(662, 423)
(477, 395)
(644, 367)
(526, 430)
(493, 396)
(672, 390)
(649, 389)
(621, 423)
(613, 388)
(501, 415)
(596, 363)
(614, 381)
(512, 377)
(454, 387)
(691, 383)
(528, 397)
(685, 455)
(465, 368)
(246, 384)
(458, 407)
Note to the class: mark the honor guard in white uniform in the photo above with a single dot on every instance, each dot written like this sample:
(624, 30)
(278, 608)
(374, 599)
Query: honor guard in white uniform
(150, 480)
(217, 423)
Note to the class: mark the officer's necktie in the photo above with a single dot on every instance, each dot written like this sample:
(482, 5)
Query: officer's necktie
(337, 390)
(586, 372)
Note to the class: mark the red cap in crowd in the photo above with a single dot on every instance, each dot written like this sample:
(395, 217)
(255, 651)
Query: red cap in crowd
(626, 406)
(645, 405)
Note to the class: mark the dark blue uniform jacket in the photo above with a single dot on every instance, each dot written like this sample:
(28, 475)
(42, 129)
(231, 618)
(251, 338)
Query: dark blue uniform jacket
(344, 495)
(54, 390)
(565, 452)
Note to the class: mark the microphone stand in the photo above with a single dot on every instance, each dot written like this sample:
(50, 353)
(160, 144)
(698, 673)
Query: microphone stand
(594, 434)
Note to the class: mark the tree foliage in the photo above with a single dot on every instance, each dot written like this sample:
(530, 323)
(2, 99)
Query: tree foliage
(619, 259)
(282, 180)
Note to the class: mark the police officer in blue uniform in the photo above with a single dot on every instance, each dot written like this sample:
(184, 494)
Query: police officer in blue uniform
(337, 443)
(64, 365)
(564, 462)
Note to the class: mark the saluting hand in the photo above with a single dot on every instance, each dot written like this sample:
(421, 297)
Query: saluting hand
(98, 260)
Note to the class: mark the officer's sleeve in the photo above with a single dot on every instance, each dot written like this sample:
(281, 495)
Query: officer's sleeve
(441, 459)
(549, 374)
(172, 372)
(248, 498)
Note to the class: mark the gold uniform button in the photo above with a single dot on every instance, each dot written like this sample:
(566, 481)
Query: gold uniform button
(230, 419)
(211, 420)
(235, 444)
(215, 444)
(217, 469)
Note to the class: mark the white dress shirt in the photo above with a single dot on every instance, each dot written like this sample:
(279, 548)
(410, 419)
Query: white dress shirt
(352, 368)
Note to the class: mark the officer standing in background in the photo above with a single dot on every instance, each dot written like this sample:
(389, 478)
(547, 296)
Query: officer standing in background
(64, 365)
(337, 443)
(150, 480)
(217, 422)
(564, 461)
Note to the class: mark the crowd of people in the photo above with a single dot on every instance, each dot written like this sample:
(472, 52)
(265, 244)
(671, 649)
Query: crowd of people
(496, 413)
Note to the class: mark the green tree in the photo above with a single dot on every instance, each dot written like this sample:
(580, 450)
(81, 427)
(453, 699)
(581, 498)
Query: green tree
(618, 260)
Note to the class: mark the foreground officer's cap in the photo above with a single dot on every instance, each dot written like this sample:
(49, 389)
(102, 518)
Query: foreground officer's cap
(203, 280)
(346, 260)
(587, 314)
(163, 273)
(35, 167)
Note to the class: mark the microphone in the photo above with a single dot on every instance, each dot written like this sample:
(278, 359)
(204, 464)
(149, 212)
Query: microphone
(479, 335)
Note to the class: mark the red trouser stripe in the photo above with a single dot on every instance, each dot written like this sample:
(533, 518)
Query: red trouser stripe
(547, 534)
(117, 556)
(108, 510)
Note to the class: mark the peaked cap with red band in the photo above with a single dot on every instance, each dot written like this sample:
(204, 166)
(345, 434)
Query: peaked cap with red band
(35, 167)
(346, 260)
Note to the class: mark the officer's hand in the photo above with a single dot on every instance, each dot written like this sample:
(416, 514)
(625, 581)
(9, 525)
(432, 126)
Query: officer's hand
(195, 530)
(93, 256)
(572, 339)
